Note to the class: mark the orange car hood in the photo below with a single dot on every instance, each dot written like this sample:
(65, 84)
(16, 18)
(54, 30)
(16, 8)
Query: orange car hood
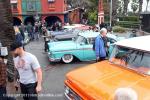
(100, 81)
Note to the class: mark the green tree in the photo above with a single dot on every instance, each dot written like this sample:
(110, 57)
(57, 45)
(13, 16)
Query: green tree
(119, 7)
(135, 5)
(125, 7)
(92, 17)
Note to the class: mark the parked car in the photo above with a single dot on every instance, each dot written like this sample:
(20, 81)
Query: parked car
(81, 48)
(128, 66)
(69, 36)
(66, 30)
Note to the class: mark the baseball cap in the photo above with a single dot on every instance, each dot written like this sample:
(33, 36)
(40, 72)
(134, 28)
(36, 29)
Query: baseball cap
(15, 45)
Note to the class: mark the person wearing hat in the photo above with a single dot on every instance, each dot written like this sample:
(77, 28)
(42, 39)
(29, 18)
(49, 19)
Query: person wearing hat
(30, 73)
(99, 48)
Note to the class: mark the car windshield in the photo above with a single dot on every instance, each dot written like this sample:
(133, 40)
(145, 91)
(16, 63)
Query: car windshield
(79, 39)
(132, 59)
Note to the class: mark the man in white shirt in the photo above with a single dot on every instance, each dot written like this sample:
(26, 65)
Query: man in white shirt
(30, 72)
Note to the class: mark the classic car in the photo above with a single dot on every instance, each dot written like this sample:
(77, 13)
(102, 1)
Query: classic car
(69, 36)
(69, 32)
(80, 48)
(128, 66)
(66, 30)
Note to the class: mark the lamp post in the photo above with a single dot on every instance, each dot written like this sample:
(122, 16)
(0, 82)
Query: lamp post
(110, 14)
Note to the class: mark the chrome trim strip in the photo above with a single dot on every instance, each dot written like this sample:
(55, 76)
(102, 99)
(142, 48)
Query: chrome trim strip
(74, 50)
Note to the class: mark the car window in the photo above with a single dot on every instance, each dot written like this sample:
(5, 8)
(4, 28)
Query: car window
(132, 59)
(81, 39)
(91, 40)
(111, 40)
(84, 41)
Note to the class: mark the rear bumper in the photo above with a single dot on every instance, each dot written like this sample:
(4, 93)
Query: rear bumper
(54, 60)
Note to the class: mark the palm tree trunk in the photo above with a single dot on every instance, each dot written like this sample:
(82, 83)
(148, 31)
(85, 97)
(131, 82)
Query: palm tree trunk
(147, 5)
(140, 6)
(114, 12)
(6, 33)
(126, 2)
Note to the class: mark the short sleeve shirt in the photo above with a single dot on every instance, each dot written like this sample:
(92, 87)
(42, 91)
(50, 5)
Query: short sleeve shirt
(26, 66)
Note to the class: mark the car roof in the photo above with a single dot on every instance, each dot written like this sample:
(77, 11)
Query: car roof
(91, 34)
(73, 26)
(140, 43)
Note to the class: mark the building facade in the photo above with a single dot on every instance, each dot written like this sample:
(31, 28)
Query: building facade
(16, 8)
(100, 12)
(51, 11)
(30, 10)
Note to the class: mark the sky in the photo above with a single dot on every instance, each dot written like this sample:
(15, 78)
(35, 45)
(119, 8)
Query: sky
(144, 6)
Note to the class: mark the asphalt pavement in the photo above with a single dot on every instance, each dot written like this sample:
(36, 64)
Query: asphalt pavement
(53, 73)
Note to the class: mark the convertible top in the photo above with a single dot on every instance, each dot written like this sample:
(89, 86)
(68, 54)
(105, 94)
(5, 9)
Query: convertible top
(140, 43)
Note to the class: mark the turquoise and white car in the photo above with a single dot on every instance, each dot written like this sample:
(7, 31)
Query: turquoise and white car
(81, 48)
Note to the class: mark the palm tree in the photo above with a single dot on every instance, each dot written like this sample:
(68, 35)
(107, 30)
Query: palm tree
(125, 8)
(140, 6)
(114, 12)
(6, 33)
(147, 5)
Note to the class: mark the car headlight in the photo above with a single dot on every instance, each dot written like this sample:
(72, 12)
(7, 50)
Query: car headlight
(67, 89)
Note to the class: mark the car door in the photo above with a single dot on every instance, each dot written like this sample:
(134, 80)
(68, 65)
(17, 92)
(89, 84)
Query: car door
(111, 46)
(80, 41)
(88, 51)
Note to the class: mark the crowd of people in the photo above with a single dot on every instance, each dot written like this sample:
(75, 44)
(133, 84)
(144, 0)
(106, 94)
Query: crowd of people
(35, 30)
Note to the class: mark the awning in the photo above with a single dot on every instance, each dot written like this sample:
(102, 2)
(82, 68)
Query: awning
(13, 1)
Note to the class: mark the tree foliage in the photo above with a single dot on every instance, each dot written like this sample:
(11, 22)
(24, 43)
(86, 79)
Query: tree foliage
(135, 5)
(92, 17)
(125, 7)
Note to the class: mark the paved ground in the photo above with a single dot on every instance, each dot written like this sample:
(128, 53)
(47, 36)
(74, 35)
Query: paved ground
(53, 74)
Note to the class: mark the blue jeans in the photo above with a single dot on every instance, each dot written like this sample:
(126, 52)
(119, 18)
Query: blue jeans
(31, 36)
(36, 35)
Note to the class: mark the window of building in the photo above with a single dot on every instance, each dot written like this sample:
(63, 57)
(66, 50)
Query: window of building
(14, 6)
(51, 5)
(31, 5)
(51, 1)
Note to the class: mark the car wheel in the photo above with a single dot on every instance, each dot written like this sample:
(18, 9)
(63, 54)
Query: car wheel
(68, 58)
